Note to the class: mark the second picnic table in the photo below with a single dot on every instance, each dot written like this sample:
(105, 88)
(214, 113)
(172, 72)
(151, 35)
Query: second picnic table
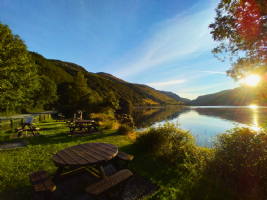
(80, 124)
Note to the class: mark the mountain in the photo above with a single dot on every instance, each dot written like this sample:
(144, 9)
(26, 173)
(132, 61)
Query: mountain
(62, 73)
(176, 97)
(151, 95)
(241, 96)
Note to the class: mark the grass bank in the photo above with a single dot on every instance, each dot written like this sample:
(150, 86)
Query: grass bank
(184, 180)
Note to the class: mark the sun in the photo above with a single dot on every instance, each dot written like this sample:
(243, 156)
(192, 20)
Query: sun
(252, 80)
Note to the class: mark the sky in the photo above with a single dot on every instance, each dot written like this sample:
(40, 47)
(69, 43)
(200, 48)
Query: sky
(165, 44)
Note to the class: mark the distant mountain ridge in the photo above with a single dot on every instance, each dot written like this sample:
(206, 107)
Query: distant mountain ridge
(176, 97)
(241, 96)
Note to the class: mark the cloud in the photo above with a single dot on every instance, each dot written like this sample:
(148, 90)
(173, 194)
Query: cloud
(212, 72)
(184, 37)
(165, 83)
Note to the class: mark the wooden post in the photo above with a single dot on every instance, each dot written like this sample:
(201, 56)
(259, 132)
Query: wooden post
(11, 123)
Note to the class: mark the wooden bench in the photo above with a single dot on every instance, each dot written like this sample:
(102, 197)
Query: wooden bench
(124, 157)
(42, 184)
(106, 184)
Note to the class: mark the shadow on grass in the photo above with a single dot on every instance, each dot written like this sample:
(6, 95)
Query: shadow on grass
(64, 137)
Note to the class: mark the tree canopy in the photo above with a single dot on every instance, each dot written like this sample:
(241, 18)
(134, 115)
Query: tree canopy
(18, 74)
(241, 28)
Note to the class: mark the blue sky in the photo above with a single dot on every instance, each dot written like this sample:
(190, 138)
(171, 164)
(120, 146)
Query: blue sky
(164, 44)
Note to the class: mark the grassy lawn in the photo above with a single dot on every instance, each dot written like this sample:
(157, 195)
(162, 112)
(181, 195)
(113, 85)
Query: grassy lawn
(174, 183)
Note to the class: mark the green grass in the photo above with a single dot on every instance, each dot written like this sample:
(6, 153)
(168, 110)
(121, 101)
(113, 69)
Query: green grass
(174, 183)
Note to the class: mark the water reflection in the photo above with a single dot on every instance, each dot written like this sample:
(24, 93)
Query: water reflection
(203, 121)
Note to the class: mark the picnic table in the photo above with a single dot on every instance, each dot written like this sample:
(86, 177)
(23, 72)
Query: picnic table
(83, 155)
(83, 124)
(79, 159)
(24, 128)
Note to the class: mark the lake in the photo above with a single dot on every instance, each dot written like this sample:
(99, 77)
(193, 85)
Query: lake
(203, 121)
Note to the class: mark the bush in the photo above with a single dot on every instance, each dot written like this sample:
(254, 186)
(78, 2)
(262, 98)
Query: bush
(113, 124)
(100, 117)
(125, 130)
(241, 160)
(168, 141)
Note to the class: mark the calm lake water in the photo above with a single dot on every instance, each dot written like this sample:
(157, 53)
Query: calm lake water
(203, 121)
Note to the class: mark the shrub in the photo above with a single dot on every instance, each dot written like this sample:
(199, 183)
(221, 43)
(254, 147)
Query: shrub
(113, 124)
(169, 142)
(100, 117)
(241, 160)
(125, 130)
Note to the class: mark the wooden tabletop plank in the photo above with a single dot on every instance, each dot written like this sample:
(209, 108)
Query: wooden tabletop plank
(94, 153)
(56, 159)
(80, 151)
(85, 154)
(108, 147)
(68, 160)
(102, 152)
(75, 156)
(101, 149)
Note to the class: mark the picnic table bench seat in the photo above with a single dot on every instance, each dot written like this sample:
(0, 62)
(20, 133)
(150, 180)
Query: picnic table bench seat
(124, 157)
(42, 184)
(106, 184)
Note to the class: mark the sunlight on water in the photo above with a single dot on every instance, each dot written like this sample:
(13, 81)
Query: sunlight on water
(253, 106)
(255, 125)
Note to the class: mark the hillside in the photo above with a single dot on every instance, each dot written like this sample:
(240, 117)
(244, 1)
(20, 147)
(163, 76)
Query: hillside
(153, 97)
(62, 74)
(241, 96)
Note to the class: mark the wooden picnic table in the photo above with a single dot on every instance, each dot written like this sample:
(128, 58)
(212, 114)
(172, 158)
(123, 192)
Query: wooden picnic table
(80, 124)
(24, 128)
(89, 154)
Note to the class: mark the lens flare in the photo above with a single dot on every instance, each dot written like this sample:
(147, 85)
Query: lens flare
(252, 80)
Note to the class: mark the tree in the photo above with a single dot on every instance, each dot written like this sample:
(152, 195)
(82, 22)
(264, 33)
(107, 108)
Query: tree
(241, 28)
(46, 94)
(81, 97)
(18, 74)
(110, 103)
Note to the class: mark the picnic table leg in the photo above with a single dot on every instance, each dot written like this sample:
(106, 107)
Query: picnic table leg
(72, 130)
(32, 129)
(101, 171)
(58, 173)
(19, 134)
